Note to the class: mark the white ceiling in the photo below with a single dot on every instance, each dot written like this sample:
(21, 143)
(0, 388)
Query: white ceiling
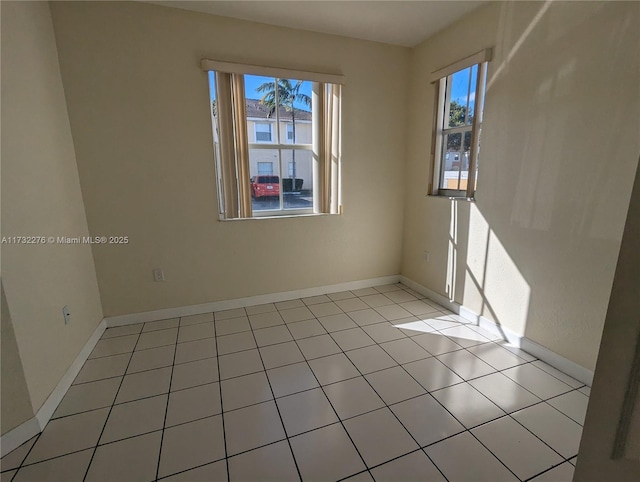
(402, 22)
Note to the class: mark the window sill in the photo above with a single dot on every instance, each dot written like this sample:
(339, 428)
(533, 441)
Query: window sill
(279, 216)
(452, 198)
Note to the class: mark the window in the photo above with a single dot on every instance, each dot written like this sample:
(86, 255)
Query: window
(263, 132)
(457, 126)
(296, 120)
(265, 168)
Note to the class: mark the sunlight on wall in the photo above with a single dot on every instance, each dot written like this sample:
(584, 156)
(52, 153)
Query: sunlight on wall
(494, 286)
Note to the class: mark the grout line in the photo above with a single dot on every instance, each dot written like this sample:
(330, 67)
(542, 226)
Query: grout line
(166, 409)
(332, 407)
(224, 431)
(109, 414)
(284, 429)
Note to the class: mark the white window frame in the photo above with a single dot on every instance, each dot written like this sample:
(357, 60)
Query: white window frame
(269, 125)
(442, 81)
(289, 133)
(232, 151)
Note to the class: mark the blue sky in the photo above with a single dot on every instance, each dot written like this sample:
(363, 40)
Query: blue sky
(252, 82)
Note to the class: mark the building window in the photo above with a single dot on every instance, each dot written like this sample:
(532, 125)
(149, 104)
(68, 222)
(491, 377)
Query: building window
(296, 119)
(263, 132)
(459, 105)
(265, 167)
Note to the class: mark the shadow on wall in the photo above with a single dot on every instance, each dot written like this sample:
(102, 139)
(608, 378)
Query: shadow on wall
(537, 251)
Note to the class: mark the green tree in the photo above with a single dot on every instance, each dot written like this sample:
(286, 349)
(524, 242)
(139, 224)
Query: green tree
(457, 116)
(288, 93)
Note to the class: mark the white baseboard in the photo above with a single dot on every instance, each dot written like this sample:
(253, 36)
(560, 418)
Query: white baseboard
(19, 435)
(563, 364)
(243, 302)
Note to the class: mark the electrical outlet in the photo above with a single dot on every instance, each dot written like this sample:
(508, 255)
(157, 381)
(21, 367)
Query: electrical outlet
(67, 314)
(158, 274)
(427, 256)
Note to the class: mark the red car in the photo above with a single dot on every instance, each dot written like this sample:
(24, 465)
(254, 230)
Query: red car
(265, 186)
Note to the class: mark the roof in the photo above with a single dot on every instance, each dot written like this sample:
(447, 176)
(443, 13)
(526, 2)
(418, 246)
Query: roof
(256, 109)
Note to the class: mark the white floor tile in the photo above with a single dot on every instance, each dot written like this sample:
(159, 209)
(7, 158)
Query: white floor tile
(394, 385)
(333, 368)
(214, 471)
(68, 467)
(469, 406)
(496, 356)
(393, 312)
(352, 339)
(296, 314)
(537, 381)
(195, 373)
(561, 473)
(400, 296)
(379, 436)
(196, 332)
(287, 305)
(318, 346)
(316, 300)
(252, 427)
(274, 356)
(435, 343)
(504, 392)
(236, 342)
(306, 411)
(206, 317)
(352, 397)
(195, 350)
(154, 339)
(326, 454)
(364, 292)
(272, 335)
(418, 307)
(325, 309)
(382, 332)
(225, 314)
(306, 328)
(405, 350)
(412, 326)
(426, 419)
(366, 317)
(272, 462)
(341, 295)
(191, 444)
(415, 466)
(572, 382)
(352, 304)
(463, 458)
(193, 403)
(122, 330)
(240, 363)
(466, 364)
(246, 390)
(432, 374)
(265, 320)
(131, 459)
(463, 336)
(232, 325)
(337, 322)
(291, 379)
(556, 429)
(376, 300)
(370, 359)
(263, 308)
(516, 447)
(135, 418)
(572, 404)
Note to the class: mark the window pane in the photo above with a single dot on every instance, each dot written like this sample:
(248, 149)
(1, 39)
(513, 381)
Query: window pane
(260, 99)
(294, 98)
(462, 86)
(264, 168)
(298, 194)
(456, 160)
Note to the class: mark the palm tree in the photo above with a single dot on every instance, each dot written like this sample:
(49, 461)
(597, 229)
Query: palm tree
(288, 93)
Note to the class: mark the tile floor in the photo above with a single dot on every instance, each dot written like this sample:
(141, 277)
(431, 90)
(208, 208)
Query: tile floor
(373, 384)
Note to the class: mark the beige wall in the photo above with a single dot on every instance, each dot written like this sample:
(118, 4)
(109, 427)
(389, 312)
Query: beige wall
(139, 109)
(41, 197)
(14, 396)
(537, 251)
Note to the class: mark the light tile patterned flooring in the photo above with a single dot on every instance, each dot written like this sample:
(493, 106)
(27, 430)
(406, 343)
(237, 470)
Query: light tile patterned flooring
(377, 383)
